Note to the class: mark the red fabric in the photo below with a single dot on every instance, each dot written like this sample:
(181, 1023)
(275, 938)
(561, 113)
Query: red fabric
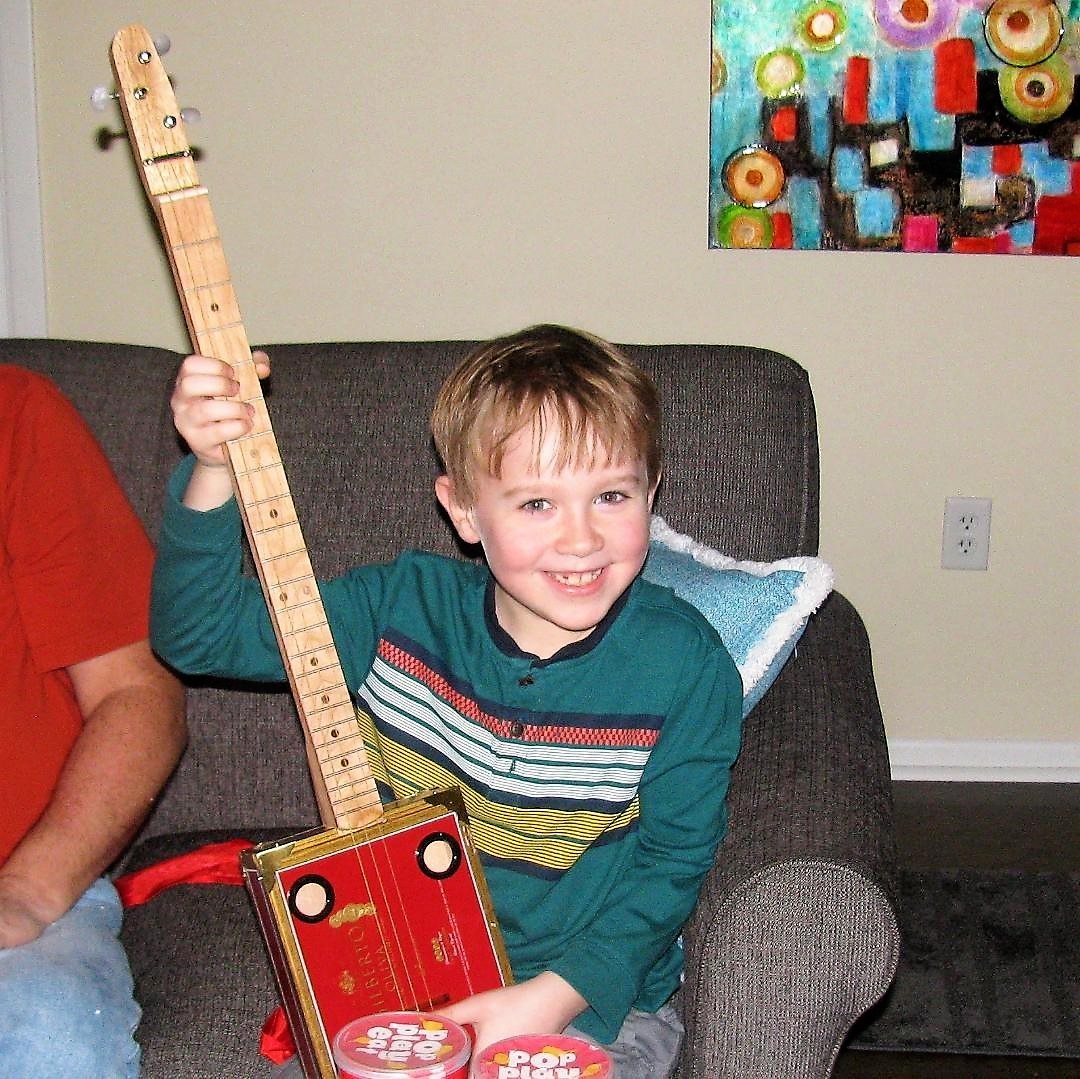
(74, 583)
(214, 863)
(276, 1041)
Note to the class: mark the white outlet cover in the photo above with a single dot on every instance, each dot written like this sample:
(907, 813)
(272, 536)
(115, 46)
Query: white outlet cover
(965, 534)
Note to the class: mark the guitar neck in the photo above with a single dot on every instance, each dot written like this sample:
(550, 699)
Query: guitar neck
(341, 772)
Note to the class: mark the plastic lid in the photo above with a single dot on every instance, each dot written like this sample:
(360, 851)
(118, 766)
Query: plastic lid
(539, 1056)
(412, 1045)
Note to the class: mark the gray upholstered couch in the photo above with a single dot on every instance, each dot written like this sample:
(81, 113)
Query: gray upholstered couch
(795, 934)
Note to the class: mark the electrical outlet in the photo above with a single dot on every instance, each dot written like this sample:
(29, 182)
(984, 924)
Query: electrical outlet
(965, 535)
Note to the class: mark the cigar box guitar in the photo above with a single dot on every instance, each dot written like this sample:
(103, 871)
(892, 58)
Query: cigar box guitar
(385, 906)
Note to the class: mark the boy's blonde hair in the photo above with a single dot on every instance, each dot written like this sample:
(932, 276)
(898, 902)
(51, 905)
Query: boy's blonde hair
(603, 408)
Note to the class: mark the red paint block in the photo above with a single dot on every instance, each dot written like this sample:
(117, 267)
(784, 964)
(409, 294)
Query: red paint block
(1006, 159)
(857, 90)
(784, 124)
(781, 231)
(919, 232)
(1057, 220)
(1057, 224)
(973, 245)
(955, 88)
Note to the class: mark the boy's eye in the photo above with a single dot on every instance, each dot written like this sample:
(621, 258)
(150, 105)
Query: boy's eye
(536, 505)
(612, 498)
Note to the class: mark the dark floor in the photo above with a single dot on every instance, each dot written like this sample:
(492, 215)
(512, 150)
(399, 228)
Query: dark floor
(1030, 826)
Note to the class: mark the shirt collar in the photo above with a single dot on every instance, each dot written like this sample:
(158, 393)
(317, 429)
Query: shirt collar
(508, 646)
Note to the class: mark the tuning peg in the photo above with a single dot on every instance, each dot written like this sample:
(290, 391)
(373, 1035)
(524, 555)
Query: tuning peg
(100, 97)
(190, 116)
(163, 43)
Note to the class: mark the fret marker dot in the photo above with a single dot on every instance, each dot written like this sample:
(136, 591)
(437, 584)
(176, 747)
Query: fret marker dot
(314, 661)
(334, 733)
(283, 596)
(273, 515)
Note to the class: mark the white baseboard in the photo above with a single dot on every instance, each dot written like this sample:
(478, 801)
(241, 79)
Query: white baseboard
(992, 761)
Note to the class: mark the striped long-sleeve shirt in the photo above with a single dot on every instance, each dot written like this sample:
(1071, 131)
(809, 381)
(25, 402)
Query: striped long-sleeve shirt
(594, 780)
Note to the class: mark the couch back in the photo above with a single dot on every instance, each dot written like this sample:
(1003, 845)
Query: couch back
(741, 474)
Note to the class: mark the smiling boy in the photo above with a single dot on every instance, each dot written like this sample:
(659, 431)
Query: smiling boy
(589, 717)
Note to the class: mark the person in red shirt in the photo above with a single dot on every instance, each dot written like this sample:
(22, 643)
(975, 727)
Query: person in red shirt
(91, 726)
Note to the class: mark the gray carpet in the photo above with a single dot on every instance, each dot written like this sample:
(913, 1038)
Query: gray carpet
(990, 964)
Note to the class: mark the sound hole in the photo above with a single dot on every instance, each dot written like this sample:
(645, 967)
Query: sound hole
(439, 855)
(311, 898)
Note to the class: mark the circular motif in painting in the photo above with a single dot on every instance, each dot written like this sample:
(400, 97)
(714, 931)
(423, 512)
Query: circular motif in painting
(753, 176)
(779, 73)
(742, 226)
(1038, 93)
(915, 24)
(1023, 32)
(719, 71)
(821, 25)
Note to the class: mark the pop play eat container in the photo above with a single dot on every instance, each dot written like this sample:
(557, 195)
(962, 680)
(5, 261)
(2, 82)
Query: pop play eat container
(411, 1045)
(542, 1056)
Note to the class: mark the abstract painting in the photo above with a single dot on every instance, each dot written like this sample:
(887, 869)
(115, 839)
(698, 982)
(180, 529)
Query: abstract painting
(896, 125)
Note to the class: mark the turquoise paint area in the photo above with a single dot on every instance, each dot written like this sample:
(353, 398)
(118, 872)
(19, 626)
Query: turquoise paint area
(1023, 234)
(930, 129)
(1052, 175)
(877, 212)
(977, 163)
(848, 170)
(884, 107)
(804, 201)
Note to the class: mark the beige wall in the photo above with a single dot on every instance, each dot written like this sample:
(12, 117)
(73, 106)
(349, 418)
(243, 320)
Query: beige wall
(396, 169)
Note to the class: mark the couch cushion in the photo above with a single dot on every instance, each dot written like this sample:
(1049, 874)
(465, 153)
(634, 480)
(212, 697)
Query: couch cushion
(202, 975)
(351, 420)
(740, 447)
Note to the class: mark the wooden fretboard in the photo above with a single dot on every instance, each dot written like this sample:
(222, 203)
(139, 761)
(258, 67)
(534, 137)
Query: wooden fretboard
(341, 772)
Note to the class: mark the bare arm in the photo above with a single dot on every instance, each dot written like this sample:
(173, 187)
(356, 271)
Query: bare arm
(133, 735)
(545, 1004)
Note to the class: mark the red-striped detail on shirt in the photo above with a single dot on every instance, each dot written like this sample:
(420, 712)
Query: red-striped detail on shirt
(612, 737)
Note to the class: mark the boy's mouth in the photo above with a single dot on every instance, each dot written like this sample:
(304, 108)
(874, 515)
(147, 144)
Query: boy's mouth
(577, 580)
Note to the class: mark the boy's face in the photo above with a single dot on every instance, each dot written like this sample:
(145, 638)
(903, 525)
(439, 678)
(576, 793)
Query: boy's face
(562, 545)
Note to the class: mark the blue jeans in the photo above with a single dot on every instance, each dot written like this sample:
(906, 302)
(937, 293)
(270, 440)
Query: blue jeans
(66, 1004)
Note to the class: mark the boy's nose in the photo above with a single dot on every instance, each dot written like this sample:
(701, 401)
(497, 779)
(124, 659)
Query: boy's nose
(579, 536)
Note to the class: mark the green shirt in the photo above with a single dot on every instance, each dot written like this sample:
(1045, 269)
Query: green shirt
(594, 780)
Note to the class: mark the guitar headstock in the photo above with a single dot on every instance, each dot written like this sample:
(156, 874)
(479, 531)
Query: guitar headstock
(151, 114)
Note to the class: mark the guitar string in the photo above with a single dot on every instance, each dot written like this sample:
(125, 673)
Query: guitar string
(169, 207)
(193, 256)
(380, 877)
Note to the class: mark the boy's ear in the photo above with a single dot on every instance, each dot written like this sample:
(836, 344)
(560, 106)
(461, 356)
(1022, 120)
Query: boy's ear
(462, 517)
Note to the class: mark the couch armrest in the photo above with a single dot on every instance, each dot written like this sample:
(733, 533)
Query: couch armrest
(795, 933)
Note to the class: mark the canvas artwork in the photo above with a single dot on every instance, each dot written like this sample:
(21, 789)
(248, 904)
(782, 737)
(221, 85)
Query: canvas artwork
(896, 125)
